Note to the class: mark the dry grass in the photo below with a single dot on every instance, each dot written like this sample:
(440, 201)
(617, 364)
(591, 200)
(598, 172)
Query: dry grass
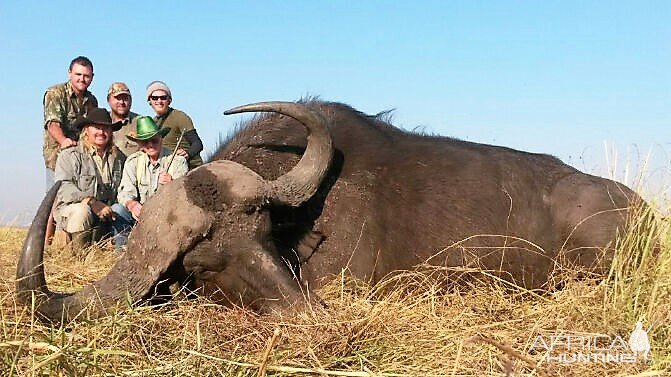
(418, 327)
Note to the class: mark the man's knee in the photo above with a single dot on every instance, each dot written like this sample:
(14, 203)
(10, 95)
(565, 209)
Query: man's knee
(77, 217)
(122, 211)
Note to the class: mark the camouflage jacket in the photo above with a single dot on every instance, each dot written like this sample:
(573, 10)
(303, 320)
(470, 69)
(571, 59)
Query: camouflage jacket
(81, 179)
(62, 105)
(127, 146)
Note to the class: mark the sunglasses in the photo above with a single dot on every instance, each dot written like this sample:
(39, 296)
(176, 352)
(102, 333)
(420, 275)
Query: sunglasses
(156, 98)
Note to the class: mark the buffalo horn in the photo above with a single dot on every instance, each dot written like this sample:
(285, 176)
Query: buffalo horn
(30, 270)
(300, 183)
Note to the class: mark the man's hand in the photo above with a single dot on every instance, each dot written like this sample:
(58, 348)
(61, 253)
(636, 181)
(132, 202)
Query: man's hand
(183, 153)
(67, 143)
(164, 178)
(135, 208)
(102, 210)
(106, 213)
(56, 132)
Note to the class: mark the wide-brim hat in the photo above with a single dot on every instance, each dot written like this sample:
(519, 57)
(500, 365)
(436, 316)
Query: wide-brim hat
(96, 116)
(145, 129)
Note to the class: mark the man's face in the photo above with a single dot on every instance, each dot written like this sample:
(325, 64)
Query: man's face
(98, 135)
(152, 147)
(159, 101)
(120, 104)
(80, 77)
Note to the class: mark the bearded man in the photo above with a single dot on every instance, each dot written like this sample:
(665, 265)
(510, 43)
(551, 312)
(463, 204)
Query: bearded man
(120, 102)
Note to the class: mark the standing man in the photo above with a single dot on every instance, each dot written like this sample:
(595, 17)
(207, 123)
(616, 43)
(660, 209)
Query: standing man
(120, 102)
(160, 98)
(63, 103)
(145, 171)
(90, 173)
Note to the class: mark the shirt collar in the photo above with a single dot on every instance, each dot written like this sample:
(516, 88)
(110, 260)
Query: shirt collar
(131, 115)
(127, 119)
(71, 91)
(164, 152)
(91, 150)
(147, 160)
(124, 121)
(164, 115)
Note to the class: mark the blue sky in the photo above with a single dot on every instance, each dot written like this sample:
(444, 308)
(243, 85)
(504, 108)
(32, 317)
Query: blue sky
(559, 77)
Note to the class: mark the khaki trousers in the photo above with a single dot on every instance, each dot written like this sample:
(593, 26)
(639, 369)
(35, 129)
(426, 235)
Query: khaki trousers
(76, 217)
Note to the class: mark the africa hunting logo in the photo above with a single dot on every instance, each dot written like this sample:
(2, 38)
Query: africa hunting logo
(576, 348)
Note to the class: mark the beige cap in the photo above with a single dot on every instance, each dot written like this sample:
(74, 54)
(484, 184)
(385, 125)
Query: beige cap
(117, 88)
(157, 85)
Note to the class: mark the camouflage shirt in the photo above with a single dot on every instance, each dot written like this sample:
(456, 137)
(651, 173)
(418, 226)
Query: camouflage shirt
(127, 146)
(62, 105)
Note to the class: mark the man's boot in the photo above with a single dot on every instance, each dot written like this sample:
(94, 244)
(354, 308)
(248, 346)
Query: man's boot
(97, 234)
(80, 241)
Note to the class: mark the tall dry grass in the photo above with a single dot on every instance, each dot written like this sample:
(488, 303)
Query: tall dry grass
(410, 324)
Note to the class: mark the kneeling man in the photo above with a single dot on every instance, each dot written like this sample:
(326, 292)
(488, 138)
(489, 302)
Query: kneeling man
(146, 170)
(90, 173)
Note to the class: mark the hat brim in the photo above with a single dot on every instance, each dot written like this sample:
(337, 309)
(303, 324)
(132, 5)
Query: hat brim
(83, 122)
(163, 131)
(114, 94)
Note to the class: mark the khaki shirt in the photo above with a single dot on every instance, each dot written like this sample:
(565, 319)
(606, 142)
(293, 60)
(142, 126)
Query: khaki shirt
(127, 146)
(140, 177)
(62, 105)
(178, 121)
(82, 177)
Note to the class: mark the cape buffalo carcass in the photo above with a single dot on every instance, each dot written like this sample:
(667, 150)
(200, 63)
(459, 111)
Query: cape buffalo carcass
(310, 188)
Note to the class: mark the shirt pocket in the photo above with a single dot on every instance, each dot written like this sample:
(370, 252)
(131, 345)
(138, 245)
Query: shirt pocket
(143, 186)
(85, 182)
(143, 190)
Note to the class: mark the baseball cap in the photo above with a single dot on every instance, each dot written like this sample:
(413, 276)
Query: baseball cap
(118, 88)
